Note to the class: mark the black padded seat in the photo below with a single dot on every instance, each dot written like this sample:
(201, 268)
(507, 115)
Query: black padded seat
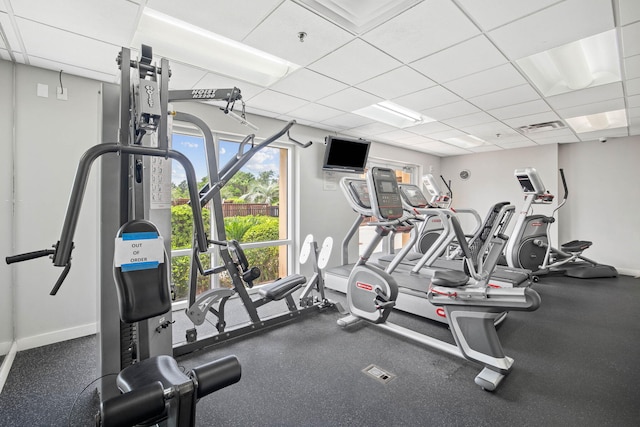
(449, 278)
(576, 246)
(159, 368)
(282, 287)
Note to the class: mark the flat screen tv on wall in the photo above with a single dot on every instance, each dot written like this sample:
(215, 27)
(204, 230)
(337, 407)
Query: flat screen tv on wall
(346, 154)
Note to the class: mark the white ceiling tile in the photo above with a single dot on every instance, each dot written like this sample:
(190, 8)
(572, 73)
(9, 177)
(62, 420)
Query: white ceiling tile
(557, 140)
(634, 114)
(371, 129)
(633, 87)
(494, 79)
(560, 136)
(416, 140)
(9, 32)
(397, 135)
(485, 148)
(53, 44)
(76, 71)
(460, 60)
(427, 98)
(519, 110)
(469, 120)
(109, 22)
(634, 101)
(454, 109)
(532, 119)
(349, 100)
(632, 67)
(429, 128)
(519, 144)
(489, 131)
(607, 133)
(441, 148)
(395, 83)
(308, 85)
(278, 34)
(502, 98)
(453, 133)
(185, 76)
(586, 96)
(629, 11)
(213, 80)
(354, 63)
(490, 14)
(299, 121)
(275, 101)
(548, 28)
(347, 121)
(211, 15)
(314, 112)
(630, 37)
(503, 140)
(422, 30)
(587, 109)
(4, 54)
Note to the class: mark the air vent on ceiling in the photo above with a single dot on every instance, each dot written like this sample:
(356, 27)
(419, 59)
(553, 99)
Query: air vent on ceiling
(542, 127)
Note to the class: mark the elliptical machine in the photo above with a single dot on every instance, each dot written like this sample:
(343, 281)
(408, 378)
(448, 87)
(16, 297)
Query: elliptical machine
(471, 306)
(529, 245)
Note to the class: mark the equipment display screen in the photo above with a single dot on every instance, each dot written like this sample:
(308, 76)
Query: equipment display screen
(526, 184)
(386, 187)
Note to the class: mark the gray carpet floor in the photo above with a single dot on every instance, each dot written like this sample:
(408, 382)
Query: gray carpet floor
(576, 364)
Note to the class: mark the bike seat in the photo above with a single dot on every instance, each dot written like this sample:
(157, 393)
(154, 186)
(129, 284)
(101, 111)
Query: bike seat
(449, 278)
(576, 246)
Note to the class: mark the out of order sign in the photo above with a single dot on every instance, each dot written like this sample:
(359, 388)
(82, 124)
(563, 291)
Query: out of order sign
(138, 251)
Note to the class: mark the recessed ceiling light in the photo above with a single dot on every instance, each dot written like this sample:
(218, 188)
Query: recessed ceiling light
(393, 114)
(183, 42)
(589, 62)
(600, 121)
(466, 141)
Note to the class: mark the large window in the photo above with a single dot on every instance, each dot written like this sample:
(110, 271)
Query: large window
(254, 205)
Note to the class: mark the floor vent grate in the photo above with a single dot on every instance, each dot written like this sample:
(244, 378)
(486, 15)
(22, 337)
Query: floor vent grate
(378, 373)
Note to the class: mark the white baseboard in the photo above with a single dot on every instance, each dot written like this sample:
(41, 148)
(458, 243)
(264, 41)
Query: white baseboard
(6, 364)
(629, 272)
(27, 343)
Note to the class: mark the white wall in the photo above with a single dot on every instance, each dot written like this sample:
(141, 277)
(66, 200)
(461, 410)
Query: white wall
(50, 137)
(6, 208)
(491, 177)
(604, 200)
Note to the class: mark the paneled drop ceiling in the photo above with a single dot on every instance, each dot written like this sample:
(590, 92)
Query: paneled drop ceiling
(461, 66)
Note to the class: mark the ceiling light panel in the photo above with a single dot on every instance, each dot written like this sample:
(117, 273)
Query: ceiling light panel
(186, 43)
(278, 34)
(395, 83)
(441, 148)
(548, 28)
(358, 16)
(490, 14)
(589, 62)
(234, 20)
(392, 114)
(354, 63)
(597, 122)
(465, 141)
(498, 78)
(422, 30)
(460, 60)
(111, 22)
(308, 85)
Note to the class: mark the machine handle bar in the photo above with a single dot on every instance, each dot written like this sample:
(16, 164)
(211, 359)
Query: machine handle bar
(564, 184)
(29, 255)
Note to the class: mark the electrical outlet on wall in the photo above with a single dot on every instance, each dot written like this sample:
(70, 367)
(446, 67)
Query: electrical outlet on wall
(62, 93)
